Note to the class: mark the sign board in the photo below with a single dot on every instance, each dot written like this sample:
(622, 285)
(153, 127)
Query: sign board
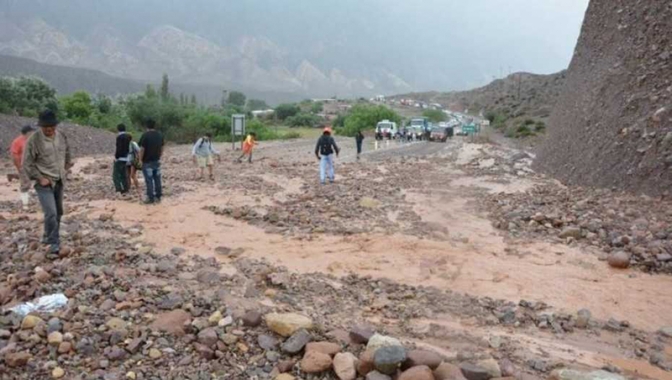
(469, 129)
(237, 128)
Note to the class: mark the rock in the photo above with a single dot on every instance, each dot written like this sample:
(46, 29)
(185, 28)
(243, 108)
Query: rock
(507, 368)
(377, 341)
(154, 353)
(286, 324)
(108, 304)
(664, 257)
(55, 339)
(54, 324)
(315, 362)
(115, 353)
(666, 331)
(474, 372)
(17, 359)
(30, 321)
(85, 347)
(296, 342)
(375, 375)
(568, 374)
(619, 259)
(285, 365)
(328, 348)
(365, 363)
(208, 337)
(572, 232)
(491, 366)
(171, 322)
(215, 318)
(267, 342)
(131, 375)
(252, 319)
(229, 339)
(5, 334)
(447, 371)
(388, 359)
(64, 348)
(58, 373)
(368, 202)
(417, 373)
(41, 275)
(116, 324)
(583, 318)
(204, 351)
(226, 321)
(285, 376)
(345, 366)
(361, 334)
(422, 357)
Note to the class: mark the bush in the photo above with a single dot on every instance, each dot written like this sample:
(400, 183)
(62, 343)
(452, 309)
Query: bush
(77, 107)
(26, 96)
(283, 111)
(435, 116)
(303, 120)
(540, 126)
(366, 116)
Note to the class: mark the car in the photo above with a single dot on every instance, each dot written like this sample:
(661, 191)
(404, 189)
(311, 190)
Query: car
(441, 134)
(386, 130)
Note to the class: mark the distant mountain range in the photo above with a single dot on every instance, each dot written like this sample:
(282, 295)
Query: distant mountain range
(252, 63)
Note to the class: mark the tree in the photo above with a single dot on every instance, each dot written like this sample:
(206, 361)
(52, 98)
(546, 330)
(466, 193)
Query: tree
(283, 111)
(150, 92)
(435, 116)
(237, 98)
(102, 103)
(256, 104)
(317, 107)
(165, 91)
(77, 106)
(303, 119)
(366, 116)
(193, 99)
(26, 96)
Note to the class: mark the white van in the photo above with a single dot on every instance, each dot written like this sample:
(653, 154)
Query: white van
(386, 130)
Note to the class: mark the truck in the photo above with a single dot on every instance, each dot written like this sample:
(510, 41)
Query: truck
(421, 127)
(386, 130)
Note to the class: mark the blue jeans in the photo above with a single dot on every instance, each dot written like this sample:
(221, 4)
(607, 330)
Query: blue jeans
(327, 163)
(51, 200)
(152, 173)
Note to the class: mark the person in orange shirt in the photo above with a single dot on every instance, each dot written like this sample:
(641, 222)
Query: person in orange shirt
(16, 149)
(248, 146)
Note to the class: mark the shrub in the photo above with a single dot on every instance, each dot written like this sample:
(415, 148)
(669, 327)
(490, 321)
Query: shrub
(283, 111)
(302, 120)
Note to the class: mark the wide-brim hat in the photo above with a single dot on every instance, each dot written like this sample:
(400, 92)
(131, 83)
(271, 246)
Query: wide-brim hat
(47, 119)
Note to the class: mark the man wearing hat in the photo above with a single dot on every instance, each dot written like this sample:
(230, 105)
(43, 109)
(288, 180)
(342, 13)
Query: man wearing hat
(324, 150)
(16, 149)
(46, 160)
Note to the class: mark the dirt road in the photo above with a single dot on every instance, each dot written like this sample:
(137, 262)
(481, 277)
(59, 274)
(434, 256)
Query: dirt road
(414, 214)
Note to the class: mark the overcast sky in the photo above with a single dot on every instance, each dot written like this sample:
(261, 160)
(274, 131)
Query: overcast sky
(433, 44)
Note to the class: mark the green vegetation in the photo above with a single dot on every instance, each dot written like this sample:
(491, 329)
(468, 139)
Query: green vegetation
(365, 116)
(435, 116)
(237, 98)
(283, 111)
(26, 96)
(256, 104)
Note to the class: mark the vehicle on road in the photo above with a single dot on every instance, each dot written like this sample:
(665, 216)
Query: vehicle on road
(441, 134)
(421, 128)
(386, 130)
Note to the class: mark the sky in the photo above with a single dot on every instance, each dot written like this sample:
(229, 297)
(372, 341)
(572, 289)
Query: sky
(433, 44)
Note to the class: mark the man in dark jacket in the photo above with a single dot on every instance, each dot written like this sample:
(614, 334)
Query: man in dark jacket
(324, 151)
(151, 150)
(119, 172)
(359, 138)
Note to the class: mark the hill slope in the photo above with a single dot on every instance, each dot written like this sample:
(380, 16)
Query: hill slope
(612, 125)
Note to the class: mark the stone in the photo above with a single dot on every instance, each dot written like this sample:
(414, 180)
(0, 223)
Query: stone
(365, 363)
(54, 324)
(55, 339)
(171, 322)
(226, 321)
(367, 202)
(315, 362)
(215, 318)
(131, 375)
(30, 321)
(85, 347)
(375, 375)
(474, 372)
(507, 368)
(208, 337)
(285, 376)
(107, 305)
(345, 366)
(134, 345)
(361, 334)
(664, 257)
(285, 365)
(252, 319)
(154, 353)
(296, 342)
(570, 232)
(619, 259)
(5, 334)
(58, 373)
(569, 374)
(64, 348)
(115, 353)
(388, 359)
(666, 331)
(286, 324)
(229, 339)
(422, 357)
(492, 366)
(328, 348)
(583, 318)
(17, 359)
(447, 371)
(267, 342)
(417, 373)
(116, 324)
(204, 351)
(377, 341)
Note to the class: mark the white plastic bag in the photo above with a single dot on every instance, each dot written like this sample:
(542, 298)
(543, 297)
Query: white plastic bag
(43, 304)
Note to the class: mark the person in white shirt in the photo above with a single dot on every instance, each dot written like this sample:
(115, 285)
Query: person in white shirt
(203, 154)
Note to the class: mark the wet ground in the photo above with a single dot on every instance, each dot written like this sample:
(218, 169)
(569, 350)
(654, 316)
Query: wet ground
(412, 214)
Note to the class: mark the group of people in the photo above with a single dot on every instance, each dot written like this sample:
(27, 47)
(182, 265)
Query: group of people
(42, 157)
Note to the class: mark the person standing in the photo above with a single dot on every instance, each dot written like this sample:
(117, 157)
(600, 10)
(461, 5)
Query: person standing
(203, 153)
(359, 138)
(119, 171)
(151, 149)
(134, 164)
(16, 150)
(248, 146)
(46, 160)
(324, 150)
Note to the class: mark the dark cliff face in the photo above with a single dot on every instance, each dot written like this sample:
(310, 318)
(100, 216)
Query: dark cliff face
(612, 125)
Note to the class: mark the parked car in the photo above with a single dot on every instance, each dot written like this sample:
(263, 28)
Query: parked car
(386, 130)
(441, 134)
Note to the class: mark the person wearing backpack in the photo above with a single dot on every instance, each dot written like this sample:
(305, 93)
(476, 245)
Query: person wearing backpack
(203, 153)
(324, 151)
(134, 164)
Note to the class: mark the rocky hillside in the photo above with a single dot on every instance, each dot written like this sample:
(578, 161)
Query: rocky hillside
(612, 126)
(83, 140)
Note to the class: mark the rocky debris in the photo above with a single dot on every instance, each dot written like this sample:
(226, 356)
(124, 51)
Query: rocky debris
(315, 362)
(619, 259)
(287, 324)
(422, 357)
(252, 319)
(666, 331)
(447, 371)
(417, 373)
(378, 341)
(491, 366)
(375, 375)
(327, 348)
(345, 366)
(583, 318)
(296, 342)
(568, 374)
(388, 359)
(475, 372)
(361, 334)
